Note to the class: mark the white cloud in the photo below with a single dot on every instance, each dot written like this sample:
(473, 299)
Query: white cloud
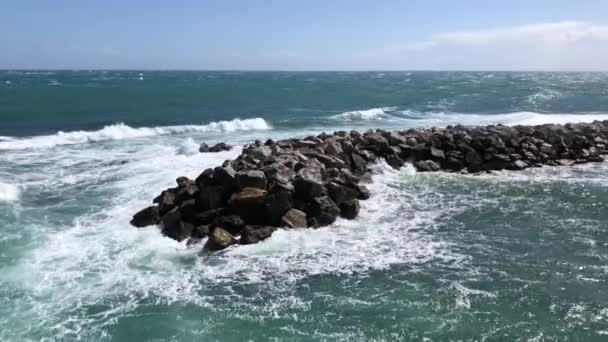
(567, 45)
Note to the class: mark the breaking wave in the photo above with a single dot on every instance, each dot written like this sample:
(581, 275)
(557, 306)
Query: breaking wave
(121, 131)
(410, 118)
(9, 192)
(368, 114)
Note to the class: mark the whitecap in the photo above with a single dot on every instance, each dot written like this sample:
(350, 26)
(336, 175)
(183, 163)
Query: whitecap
(9, 192)
(121, 131)
(368, 114)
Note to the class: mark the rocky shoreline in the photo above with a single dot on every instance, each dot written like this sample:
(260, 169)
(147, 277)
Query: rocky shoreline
(310, 182)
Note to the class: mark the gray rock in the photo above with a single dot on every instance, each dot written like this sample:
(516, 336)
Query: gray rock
(255, 234)
(219, 239)
(251, 179)
(294, 218)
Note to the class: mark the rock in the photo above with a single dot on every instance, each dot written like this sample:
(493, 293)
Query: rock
(219, 147)
(427, 166)
(333, 147)
(349, 209)
(173, 226)
(249, 203)
(276, 205)
(308, 183)
(219, 239)
(183, 182)
(261, 152)
(146, 217)
(203, 148)
(231, 223)
(362, 192)
(340, 193)
(225, 177)
(294, 218)
(212, 197)
(251, 179)
(437, 153)
(206, 217)
(358, 163)
(255, 234)
(322, 211)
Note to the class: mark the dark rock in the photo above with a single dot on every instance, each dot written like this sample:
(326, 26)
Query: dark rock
(276, 205)
(219, 239)
(308, 183)
(219, 147)
(212, 197)
(231, 223)
(362, 192)
(349, 209)
(225, 177)
(427, 166)
(146, 217)
(206, 217)
(173, 226)
(255, 234)
(249, 203)
(322, 211)
(340, 193)
(251, 179)
(294, 218)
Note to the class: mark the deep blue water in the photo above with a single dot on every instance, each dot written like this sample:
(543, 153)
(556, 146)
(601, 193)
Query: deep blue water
(506, 256)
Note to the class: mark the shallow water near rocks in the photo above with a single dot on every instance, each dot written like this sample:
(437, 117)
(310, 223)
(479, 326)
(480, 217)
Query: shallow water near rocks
(436, 256)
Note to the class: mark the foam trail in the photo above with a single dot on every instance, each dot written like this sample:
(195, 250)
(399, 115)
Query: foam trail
(368, 114)
(9, 192)
(121, 131)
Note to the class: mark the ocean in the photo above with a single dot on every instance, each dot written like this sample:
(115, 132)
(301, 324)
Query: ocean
(501, 256)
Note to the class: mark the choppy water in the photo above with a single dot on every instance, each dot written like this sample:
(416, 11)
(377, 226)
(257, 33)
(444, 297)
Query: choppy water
(497, 257)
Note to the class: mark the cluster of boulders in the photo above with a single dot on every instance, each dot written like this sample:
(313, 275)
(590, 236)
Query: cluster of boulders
(310, 182)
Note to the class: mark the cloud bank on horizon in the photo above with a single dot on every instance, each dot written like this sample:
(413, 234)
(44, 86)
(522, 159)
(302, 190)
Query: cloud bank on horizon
(565, 45)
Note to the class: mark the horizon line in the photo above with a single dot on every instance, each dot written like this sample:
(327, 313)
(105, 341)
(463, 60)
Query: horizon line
(306, 70)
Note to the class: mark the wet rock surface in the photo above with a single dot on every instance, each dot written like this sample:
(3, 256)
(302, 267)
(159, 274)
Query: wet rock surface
(310, 182)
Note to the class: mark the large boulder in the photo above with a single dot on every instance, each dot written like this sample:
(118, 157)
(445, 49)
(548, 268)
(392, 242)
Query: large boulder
(231, 223)
(249, 203)
(276, 205)
(146, 217)
(225, 176)
(322, 211)
(219, 147)
(251, 179)
(294, 218)
(349, 209)
(211, 197)
(255, 234)
(308, 183)
(219, 239)
(340, 193)
(173, 226)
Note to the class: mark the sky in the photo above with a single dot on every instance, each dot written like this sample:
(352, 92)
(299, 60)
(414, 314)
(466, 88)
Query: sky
(568, 35)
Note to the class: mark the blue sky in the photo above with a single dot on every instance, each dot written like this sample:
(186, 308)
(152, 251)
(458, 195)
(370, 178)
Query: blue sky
(305, 35)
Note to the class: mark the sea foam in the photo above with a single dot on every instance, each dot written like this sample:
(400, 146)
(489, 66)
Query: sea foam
(9, 192)
(121, 131)
(367, 114)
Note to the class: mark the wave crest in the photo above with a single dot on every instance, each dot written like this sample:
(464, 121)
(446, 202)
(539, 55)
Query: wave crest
(368, 114)
(121, 131)
(9, 192)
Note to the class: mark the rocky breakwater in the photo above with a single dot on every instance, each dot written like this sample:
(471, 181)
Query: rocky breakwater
(310, 182)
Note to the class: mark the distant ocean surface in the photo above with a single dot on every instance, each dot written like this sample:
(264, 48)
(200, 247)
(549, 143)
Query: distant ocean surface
(504, 256)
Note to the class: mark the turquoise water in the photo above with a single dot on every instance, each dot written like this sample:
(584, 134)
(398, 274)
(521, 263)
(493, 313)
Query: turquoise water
(506, 256)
